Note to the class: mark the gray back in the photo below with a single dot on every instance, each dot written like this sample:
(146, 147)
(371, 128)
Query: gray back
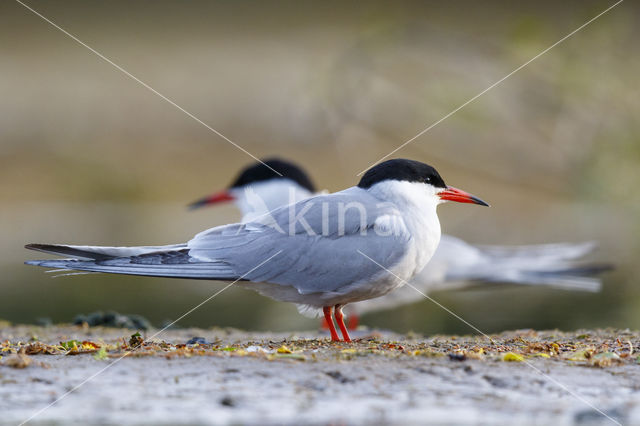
(317, 255)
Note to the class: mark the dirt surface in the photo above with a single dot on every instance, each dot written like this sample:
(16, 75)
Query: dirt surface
(235, 377)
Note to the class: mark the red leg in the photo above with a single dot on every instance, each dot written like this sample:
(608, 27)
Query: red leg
(325, 324)
(353, 319)
(340, 321)
(332, 328)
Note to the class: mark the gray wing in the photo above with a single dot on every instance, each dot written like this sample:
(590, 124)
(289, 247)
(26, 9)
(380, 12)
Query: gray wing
(172, 263)
(319, 250)
(554, 265)
(293, 246)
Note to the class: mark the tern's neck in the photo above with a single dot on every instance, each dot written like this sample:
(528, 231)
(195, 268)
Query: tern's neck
(257, 199)
(418, 203)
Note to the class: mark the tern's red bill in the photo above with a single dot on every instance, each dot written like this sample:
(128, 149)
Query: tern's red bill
(218, 197)
(454, 194)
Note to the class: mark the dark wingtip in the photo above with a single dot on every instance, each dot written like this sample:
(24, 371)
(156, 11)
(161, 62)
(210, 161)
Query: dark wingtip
(593, 269)
(584, 270)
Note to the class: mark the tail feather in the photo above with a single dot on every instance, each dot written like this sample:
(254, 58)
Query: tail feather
(175, 262)
(559, 281)
(573, 277)
(195, 271)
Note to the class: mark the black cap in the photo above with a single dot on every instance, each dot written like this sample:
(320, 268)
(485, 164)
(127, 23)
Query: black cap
(404, 170)
(259, 172)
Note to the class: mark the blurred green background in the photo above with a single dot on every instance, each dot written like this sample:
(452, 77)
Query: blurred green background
(89, 156)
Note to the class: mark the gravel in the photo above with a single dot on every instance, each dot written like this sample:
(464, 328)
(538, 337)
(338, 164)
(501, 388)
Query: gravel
(236, 377)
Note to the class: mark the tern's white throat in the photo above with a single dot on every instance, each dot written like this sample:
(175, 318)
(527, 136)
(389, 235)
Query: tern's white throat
(417, 201)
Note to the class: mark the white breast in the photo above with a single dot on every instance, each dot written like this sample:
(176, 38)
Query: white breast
(417, 202)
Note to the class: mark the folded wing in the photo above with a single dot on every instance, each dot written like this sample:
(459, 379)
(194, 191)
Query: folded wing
(316, 242)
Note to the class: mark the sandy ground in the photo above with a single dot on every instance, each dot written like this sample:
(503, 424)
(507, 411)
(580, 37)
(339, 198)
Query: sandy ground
(235, 377)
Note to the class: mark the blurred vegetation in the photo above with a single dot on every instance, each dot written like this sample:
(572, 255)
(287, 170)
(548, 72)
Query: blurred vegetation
(89, 156)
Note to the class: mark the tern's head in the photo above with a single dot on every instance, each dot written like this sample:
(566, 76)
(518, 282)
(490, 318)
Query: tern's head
(258, 187)
(414, 180)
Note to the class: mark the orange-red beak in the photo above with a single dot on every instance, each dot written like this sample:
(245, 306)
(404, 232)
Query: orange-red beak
(218, 197)
(460, 196)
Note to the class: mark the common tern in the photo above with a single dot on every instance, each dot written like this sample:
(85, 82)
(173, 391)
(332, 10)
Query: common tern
(323, 252)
